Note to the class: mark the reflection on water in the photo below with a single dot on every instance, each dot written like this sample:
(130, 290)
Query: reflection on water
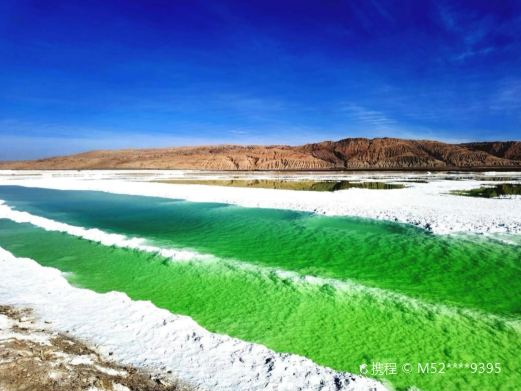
(503, 189)
(290, 185)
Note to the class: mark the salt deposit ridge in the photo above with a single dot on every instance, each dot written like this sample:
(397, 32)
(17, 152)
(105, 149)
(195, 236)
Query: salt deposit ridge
(427, 205)
(140, 334)
(98, 236)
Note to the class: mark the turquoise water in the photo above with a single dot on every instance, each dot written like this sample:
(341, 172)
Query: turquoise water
(439, 298)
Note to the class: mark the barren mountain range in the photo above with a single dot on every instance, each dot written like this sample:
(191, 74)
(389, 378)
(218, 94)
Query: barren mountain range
(349, 153)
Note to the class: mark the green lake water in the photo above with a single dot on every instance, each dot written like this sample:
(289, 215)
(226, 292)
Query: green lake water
(409, 296)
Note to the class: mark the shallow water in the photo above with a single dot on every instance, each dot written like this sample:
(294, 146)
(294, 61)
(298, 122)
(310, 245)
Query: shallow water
(440, 298)
(465, 271)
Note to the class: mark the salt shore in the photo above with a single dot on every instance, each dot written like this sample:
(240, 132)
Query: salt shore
(171, 346)
(428, 205)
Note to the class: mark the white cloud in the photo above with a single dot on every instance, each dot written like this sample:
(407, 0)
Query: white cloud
(371, 118)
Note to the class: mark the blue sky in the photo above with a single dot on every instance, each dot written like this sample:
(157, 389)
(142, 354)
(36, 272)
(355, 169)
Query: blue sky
(81, 75)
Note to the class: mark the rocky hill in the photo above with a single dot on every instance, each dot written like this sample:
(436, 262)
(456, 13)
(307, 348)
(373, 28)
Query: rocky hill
(503, 149)
(350, 153)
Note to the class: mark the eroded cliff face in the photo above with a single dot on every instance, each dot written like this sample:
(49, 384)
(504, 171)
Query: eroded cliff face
(504, 149)
(351, 153)
(389, 153)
